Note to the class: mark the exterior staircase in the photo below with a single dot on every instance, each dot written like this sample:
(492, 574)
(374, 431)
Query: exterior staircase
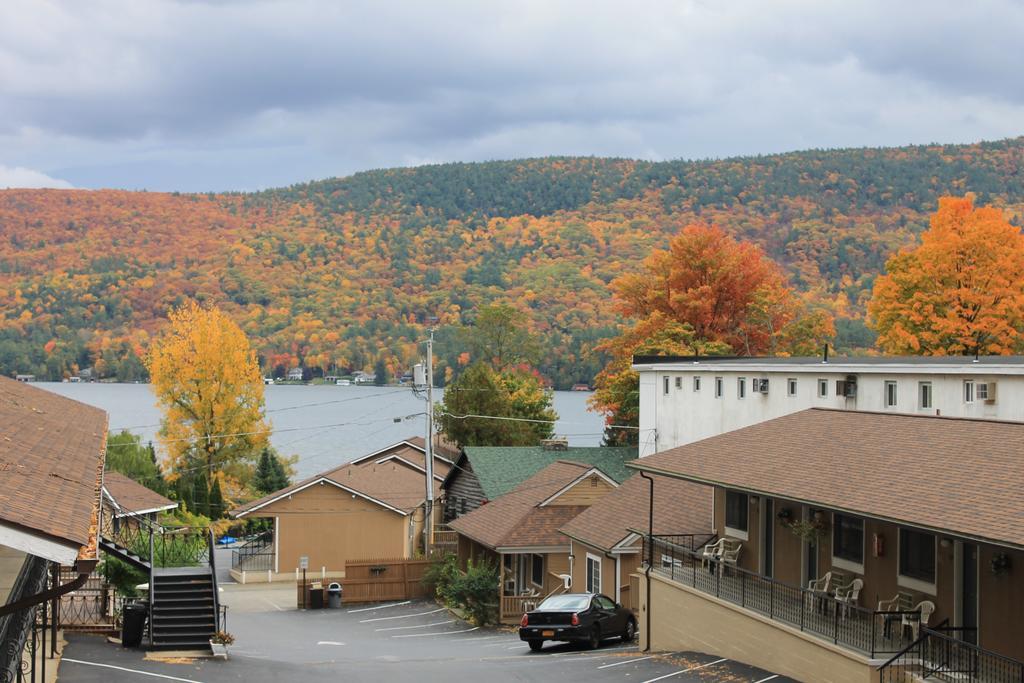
(184, 609)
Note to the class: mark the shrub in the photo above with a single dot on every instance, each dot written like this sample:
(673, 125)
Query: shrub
(475, 590)
(441, 576)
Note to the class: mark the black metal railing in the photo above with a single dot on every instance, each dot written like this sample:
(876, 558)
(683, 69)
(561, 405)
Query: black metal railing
(160, 546)
(256, 554)
(851, 626)
(28, 637)
(940, 655)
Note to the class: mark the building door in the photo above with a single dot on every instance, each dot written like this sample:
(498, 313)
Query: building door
(969, 591)
(768, 534)
(810, 553)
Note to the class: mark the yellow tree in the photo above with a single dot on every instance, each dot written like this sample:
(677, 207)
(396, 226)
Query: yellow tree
(960, 292)
(208, 383)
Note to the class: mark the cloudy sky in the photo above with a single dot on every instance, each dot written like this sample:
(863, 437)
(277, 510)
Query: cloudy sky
(246, 94)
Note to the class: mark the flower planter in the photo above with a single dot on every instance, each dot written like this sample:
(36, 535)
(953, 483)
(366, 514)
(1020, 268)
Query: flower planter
(220, 650)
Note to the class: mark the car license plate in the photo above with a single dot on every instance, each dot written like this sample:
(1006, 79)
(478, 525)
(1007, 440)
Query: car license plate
(547, 634)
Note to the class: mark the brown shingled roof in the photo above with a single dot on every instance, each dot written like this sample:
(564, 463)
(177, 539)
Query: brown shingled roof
(515, 520)
(680, 507)
(958, 475)
(51, 463)
(131, 496)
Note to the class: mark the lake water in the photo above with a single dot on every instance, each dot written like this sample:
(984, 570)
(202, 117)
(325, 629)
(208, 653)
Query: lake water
(324, 425)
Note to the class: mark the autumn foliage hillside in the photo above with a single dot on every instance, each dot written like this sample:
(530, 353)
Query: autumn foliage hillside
(342, 272)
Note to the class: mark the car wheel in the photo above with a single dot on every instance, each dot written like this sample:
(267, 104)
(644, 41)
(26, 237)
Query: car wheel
(536, 645)
(630, 633)
(594, 639)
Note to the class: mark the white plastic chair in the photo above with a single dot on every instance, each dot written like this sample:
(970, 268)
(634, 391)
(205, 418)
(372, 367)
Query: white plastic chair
(711, 552)
(730, 555)
(849, 595)
(926, 608)
(818, 588)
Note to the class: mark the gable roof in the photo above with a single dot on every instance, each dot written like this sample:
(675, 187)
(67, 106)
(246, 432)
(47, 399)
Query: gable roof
(128, 495)
(51, 470)
(444, 450)
(393, 486)
(953, 475)
(517, 519)
(499, 469)
(412, 458)
(680, 507)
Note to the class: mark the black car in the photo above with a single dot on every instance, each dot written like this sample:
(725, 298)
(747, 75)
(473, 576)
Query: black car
(586, 617)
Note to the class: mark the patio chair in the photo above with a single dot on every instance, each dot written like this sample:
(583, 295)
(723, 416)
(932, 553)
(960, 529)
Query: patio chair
(925, 608)
(818, 588)
(730, 555)
(897, 603)
(849, 595)
(711, 552)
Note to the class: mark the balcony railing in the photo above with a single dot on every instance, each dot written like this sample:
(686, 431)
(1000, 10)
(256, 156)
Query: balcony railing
(516, 605)
(865, 631)
(255, 555)
(944, 653)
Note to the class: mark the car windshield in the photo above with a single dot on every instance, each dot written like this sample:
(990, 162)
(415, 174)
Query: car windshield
(566, 602)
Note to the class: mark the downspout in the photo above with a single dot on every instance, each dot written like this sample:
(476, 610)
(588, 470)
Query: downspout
(84, 568)
(650, 557)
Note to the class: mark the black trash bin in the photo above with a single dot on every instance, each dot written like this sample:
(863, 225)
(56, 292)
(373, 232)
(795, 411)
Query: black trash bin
(316, 598)
(133, 623)
(334, 595)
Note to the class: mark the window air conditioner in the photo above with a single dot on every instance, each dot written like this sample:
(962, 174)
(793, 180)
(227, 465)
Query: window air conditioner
(985, 391)
(760, 386)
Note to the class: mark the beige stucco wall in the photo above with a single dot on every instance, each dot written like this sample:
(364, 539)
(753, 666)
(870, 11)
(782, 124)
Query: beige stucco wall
(1001, 604)
(331, 527)
(11, 561)
(683, 620)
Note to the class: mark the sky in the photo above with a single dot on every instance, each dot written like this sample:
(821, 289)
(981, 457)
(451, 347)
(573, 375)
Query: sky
(195, 95)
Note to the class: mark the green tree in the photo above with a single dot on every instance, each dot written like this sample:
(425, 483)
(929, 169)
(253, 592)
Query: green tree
(216, 500)
(270, 473)
(380, 372)
(483, 392)
(500, 336)
(127, 455)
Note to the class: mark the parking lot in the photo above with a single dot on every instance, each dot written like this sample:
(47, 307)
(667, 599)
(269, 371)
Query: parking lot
(405, 641)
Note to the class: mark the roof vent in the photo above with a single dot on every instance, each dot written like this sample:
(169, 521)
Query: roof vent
(557, 443)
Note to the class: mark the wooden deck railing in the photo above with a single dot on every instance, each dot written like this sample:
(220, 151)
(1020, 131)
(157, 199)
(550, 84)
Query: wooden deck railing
(513, 606)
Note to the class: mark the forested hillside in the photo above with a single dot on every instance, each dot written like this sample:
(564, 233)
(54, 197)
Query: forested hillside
(342, 272)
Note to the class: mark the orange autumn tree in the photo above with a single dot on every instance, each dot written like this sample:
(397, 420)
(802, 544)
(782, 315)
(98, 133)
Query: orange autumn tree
(706, 294)
(960, 292)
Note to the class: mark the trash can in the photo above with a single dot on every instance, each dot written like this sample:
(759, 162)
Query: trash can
(334, 595)
(133, 623)
(316, 597)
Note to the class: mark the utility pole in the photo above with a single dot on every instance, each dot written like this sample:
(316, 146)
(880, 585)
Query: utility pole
(421, 378)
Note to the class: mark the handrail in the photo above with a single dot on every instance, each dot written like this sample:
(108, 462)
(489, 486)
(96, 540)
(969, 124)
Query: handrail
(947, 651)
(213, 580)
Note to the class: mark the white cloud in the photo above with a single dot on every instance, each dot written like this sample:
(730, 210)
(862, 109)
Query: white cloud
(20, 177)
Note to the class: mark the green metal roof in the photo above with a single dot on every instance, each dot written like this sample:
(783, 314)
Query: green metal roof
(501, 469)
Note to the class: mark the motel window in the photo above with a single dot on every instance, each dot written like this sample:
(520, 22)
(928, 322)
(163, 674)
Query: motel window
(696, 382)
(537, 569)
(719, 385)
(968, 391)
(736, 511)
(679, 382)
(593, 574)
(791, 386)
(890, 394)
(664, 381)
(822, 388)
(924, 395)
(917, 555)
(741, 387)
(848, 538)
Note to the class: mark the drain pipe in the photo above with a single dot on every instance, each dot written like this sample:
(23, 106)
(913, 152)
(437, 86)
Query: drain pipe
(650, 557)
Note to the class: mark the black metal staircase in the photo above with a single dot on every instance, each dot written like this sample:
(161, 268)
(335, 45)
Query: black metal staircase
(184, 607)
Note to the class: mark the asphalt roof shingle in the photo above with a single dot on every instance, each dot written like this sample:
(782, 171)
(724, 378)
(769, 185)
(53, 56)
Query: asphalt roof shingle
(131, 496)
(960, 475)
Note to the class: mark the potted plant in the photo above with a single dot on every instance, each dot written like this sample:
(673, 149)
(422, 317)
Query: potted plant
(809, 530)
(219, 643)
(1000, 564)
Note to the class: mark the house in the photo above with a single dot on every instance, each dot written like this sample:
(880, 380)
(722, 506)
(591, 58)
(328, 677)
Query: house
(412, 452)
(360, 377)
(918, 520)
(126, 500)
(683, 400)
(295, 375)
(483, 473)
(518, 532)
(606, 539)
(51, 476)
(25, 378)
(371, 508)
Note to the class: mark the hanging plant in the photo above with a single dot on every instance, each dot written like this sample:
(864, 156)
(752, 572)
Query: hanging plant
(1000, 564)
(809, 530)
(784, 515)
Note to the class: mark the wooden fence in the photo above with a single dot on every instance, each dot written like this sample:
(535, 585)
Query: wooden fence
(374, 581)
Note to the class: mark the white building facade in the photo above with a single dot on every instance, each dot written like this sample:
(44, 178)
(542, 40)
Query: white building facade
(686, 400)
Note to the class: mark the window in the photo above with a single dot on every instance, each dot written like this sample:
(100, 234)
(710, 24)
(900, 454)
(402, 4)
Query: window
(736, 513)
(890, 394)
(791, 386)
(924, 395)
(917, 560)
(593, 574)
(822, 388)
(679, 382)
(719, 384)
(696, 382)
(664, 381)
(537, 569)
(848, 542)
(741, 387)
(604, 602)
(968, 391)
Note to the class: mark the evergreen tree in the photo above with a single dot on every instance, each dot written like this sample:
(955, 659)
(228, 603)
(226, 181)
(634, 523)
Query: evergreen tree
(216, 500)
(270, 473)
(201, 493)
(127, 455)
(380, 370)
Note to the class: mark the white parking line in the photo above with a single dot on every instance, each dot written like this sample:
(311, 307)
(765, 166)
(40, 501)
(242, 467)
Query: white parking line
(683, 671)
(469, 640)
(328, 642)
(133, 671)
(274, 605)
(517, 647)
(404, 628)
(370, 609)
(403, 616)
(628, 661)
(436, 633)
(767, 679)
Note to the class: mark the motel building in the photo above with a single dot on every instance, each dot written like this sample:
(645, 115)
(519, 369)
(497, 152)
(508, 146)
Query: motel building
(848, 546)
